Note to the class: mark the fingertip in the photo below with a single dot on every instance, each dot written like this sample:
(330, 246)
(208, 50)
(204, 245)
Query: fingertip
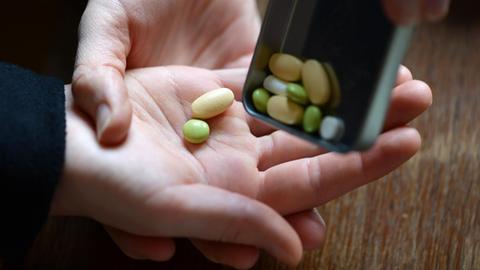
(402, 12)
(435, 10)
(414, 139)
(288, 248)
(115, 129)
(403, 142)
(409, 100)
(142, 247)
(162, 253)
(234, 255)
(426, 97)
(412, 96)
(297, 258)
(310, 227)
(155, 249)
(318, 228)
(404, 75)
(249, 258)
(293, 255)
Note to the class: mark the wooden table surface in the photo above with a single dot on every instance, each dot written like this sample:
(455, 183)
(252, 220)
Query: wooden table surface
(426, 215)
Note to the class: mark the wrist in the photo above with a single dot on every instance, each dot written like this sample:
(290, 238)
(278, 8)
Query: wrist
(60, 205)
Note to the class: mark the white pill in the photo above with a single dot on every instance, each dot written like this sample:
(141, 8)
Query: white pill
(275, 85)
(332, 128)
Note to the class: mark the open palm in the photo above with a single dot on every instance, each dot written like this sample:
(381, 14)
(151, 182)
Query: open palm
(232, 189)
(123, 34)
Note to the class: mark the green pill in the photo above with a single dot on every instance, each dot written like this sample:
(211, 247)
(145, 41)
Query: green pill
(297, 93)
(260, 99)
(312, 119)
(196, 131)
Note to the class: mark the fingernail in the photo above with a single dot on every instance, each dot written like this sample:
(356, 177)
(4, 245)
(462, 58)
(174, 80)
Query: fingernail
(319, 217)
(317, 237)
(103, 119)
(286, 256)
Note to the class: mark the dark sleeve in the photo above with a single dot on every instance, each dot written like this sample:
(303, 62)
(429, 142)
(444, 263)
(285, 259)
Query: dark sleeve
(32, 147)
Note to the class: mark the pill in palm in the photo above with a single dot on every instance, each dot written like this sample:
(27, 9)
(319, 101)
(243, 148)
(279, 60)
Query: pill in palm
(282, 109)
(312, 119)
(297, 93)
(196, 131)
(275, 85)
(316, 82)
(285, 66)
(212, 103)
(260, 99)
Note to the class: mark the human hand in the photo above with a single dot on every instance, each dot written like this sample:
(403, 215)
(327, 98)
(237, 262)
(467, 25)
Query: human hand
(123, 34)
(413, 11)
(231, 189)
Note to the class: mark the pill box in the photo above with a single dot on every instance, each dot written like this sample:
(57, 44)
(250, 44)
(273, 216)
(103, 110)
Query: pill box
(357, 48)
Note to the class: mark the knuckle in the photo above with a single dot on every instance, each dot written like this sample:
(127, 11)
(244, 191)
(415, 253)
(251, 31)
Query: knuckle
(313, 170)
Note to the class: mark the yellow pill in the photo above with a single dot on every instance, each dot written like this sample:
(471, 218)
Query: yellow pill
(282, 109)
(212, 103)
(286, 67)
(335, 95)
(316, 82)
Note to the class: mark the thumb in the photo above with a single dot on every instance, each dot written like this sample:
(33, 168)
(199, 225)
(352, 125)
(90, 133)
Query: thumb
(98, 81)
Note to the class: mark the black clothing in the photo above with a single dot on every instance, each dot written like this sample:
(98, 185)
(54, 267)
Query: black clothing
(32, 150)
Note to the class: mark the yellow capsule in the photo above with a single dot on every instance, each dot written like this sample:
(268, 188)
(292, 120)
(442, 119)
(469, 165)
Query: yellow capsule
(316, 82)
(282, 109)
(212, 103)
(286, 67)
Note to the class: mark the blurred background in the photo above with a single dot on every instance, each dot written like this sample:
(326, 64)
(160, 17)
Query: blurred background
(426, 215)
(41, 35)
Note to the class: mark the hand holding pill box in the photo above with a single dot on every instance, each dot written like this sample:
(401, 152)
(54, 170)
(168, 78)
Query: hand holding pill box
(323, 70)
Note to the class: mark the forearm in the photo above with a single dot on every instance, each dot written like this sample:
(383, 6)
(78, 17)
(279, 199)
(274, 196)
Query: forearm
(32, 143)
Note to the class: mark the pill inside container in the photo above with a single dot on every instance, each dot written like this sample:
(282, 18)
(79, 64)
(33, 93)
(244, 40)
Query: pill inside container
(341, 57)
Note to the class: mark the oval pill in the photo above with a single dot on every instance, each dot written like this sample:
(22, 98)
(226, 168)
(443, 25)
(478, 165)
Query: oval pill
(297, 93)
(260, 99)
(282, 109)
(312, 119)
(335, 94)
(316, 82)
(332, 128)
(212, 103)
(196, 131)
(285, 66)
(275, 85)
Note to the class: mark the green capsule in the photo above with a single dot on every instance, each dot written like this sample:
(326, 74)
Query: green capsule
(196, 131)
(260, 99)
(297, 93)
(312, 119)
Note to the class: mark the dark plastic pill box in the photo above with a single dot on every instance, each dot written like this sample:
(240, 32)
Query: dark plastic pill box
(356, 39)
